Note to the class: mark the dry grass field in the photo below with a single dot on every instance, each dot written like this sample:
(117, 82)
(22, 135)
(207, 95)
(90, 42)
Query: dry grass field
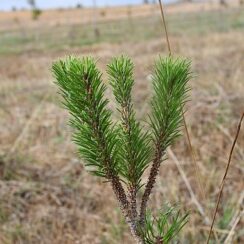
(46, 196)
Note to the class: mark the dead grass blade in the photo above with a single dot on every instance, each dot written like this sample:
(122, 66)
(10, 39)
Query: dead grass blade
(235, 220)
(27, 125)
(193, 157)
(227, 134)
(224, 178)
(188, 186)
(232, 231)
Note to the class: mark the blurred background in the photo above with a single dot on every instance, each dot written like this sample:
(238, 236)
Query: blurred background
(46, 196)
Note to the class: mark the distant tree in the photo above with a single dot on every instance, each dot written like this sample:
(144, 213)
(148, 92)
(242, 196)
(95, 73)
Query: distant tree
(79, 5)
(103, 12)
(14, 9)
(36, 12)
(32, 3)
(145, 1)
(223, 3)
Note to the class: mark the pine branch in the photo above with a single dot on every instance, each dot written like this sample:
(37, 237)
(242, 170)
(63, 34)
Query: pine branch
(123, 152)
(170, 86)
(135, 149)
(81, 86)
(135, 144)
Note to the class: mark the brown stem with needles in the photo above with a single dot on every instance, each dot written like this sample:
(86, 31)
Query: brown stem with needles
(151, 181)
(224, 178)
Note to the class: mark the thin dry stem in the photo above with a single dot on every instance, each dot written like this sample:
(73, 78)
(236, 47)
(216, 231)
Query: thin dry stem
(224, 178)
(232, 231)
(235, 220)
(197, 175)
(27, 125)
(193, 157)
(165, 27)
(227, 134)
(188, 185)
(216, 230)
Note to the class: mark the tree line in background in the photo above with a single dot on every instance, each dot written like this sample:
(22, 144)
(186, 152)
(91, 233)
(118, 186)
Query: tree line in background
(36, 12)
(222, 2)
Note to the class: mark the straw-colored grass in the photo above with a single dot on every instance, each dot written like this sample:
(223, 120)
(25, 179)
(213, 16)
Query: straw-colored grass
(46, 196)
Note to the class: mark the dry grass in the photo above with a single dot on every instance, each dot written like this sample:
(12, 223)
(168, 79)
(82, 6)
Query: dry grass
(46, 196)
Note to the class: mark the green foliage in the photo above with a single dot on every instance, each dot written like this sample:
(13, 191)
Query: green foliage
(120, 152)
(135, 150)
(83, 92)
(164, 227)
(170, 79)
(36, 13)
(226, 217)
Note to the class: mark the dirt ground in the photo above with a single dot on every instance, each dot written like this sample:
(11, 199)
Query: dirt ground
(46, 196)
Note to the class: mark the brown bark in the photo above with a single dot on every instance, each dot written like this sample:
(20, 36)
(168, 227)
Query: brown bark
(151, 181)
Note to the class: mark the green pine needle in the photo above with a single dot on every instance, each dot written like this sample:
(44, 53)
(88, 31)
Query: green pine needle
(122, 152)
(81, 86)
(170, 80)
(164, 227)
(135, 144)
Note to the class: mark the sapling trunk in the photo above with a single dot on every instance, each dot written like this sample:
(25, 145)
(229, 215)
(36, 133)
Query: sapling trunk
(122, 152)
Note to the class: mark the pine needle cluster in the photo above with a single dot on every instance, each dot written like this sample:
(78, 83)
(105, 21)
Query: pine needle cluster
(121, 152)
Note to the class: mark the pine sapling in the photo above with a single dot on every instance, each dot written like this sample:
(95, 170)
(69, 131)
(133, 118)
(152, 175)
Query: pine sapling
(121, 152)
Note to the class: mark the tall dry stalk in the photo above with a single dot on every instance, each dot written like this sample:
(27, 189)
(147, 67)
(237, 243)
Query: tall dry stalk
(224, 177)
(94, 20)
(191, 149)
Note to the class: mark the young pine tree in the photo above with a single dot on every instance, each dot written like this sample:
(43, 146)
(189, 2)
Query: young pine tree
(121, 152)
